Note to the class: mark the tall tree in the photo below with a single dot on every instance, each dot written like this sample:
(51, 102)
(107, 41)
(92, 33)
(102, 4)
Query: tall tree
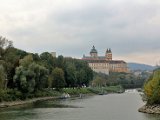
(58, 78)
(2, 77)
(71, 79)
(48, 61)
(152, 88)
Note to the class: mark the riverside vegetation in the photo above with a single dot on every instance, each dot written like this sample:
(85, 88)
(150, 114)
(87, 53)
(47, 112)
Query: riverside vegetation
(26, 75)
(152, 92)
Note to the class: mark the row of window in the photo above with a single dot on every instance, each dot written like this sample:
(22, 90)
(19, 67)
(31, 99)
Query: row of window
(98, 64)
(98, 67)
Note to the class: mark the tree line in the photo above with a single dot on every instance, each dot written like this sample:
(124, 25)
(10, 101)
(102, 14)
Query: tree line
(22, 74)
(126, 80)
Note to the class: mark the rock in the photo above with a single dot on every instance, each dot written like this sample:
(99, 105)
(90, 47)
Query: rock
(150, 109)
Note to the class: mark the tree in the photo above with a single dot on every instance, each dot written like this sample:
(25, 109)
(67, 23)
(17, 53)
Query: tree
(48, 61)
(58, 78)
(60, 62)
(80, 75)
(26, 61)
(2, 77)
(4, 43)
(98, 81)
(152, 88)
(24, 80)
(40, 75)
(71, 79)
(30, 76)
(11, 61)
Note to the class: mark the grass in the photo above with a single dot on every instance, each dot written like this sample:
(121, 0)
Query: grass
(76, 91)
(13, 95)
(107, 89)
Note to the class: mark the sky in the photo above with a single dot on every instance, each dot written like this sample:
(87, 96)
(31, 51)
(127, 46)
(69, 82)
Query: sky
(131, 28)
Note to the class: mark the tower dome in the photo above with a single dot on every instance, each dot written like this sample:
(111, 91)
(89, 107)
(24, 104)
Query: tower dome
(93, 52)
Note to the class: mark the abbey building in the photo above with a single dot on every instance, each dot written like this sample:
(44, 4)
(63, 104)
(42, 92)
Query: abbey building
(105, 64)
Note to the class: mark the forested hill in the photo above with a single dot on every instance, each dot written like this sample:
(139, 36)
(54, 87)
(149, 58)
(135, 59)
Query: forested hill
(138, 66)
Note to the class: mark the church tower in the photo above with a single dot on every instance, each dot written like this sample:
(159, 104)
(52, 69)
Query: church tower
(108, 54)
(93, 52)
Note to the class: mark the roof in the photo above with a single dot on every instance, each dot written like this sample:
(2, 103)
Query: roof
(97, 61)
(102, 60)
(91, 58)
(116, 61)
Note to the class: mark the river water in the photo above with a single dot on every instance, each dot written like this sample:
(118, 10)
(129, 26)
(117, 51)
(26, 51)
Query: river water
(108, 107)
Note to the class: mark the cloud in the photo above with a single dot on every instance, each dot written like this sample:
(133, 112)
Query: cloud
(71, 27)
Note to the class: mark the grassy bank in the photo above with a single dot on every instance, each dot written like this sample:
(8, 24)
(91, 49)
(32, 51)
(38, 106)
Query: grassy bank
(14, 98)
(106, 90)
(94, 90)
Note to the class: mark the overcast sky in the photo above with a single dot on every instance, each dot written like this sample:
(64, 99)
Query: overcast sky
(131, 28)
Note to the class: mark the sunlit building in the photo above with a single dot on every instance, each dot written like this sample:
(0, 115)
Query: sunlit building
(105, 64)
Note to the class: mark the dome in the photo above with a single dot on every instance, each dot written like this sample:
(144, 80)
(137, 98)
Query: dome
(93, 50)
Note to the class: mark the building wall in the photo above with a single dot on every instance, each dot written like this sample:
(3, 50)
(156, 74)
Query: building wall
(100, 67)
(53, 54)
(120, 67)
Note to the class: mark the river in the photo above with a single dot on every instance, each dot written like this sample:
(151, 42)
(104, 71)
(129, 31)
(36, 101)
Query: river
(107, 107)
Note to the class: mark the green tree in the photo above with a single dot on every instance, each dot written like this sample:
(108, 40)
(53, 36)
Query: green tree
(71, 79)
(11, 61)
(99, 82)
(48, 61)
(26, 61)
(24, 80)
(30, 76)
(60, 62)
(58, 78)
(2, 77)
(40, 75)
(80, 75)
(152, 88)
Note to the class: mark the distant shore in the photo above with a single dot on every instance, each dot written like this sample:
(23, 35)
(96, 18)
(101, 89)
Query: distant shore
(150, 109)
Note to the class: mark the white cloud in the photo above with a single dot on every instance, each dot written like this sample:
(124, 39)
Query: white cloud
(71, 27)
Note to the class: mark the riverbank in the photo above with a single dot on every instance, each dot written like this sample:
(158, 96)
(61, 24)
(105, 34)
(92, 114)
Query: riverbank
(28, 101)
(73, 92)
(150, 109)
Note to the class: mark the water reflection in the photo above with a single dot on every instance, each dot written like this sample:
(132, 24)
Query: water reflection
(108, 107)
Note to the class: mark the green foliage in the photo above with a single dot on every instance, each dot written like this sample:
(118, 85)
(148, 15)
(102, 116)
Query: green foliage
(11, 61)
(40, 75)
(99, 82)
(127, 80)
(152, 88)
(24, 80)
(58, 78)
(71, 74)
(26, 61)
(48, 61)
(2, 77)
(60, 62)
(107, 89)
(28, 74)
(77, 73)
(76, 91)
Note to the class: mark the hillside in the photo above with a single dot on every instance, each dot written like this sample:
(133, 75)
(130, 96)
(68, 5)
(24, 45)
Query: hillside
(138, 66)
